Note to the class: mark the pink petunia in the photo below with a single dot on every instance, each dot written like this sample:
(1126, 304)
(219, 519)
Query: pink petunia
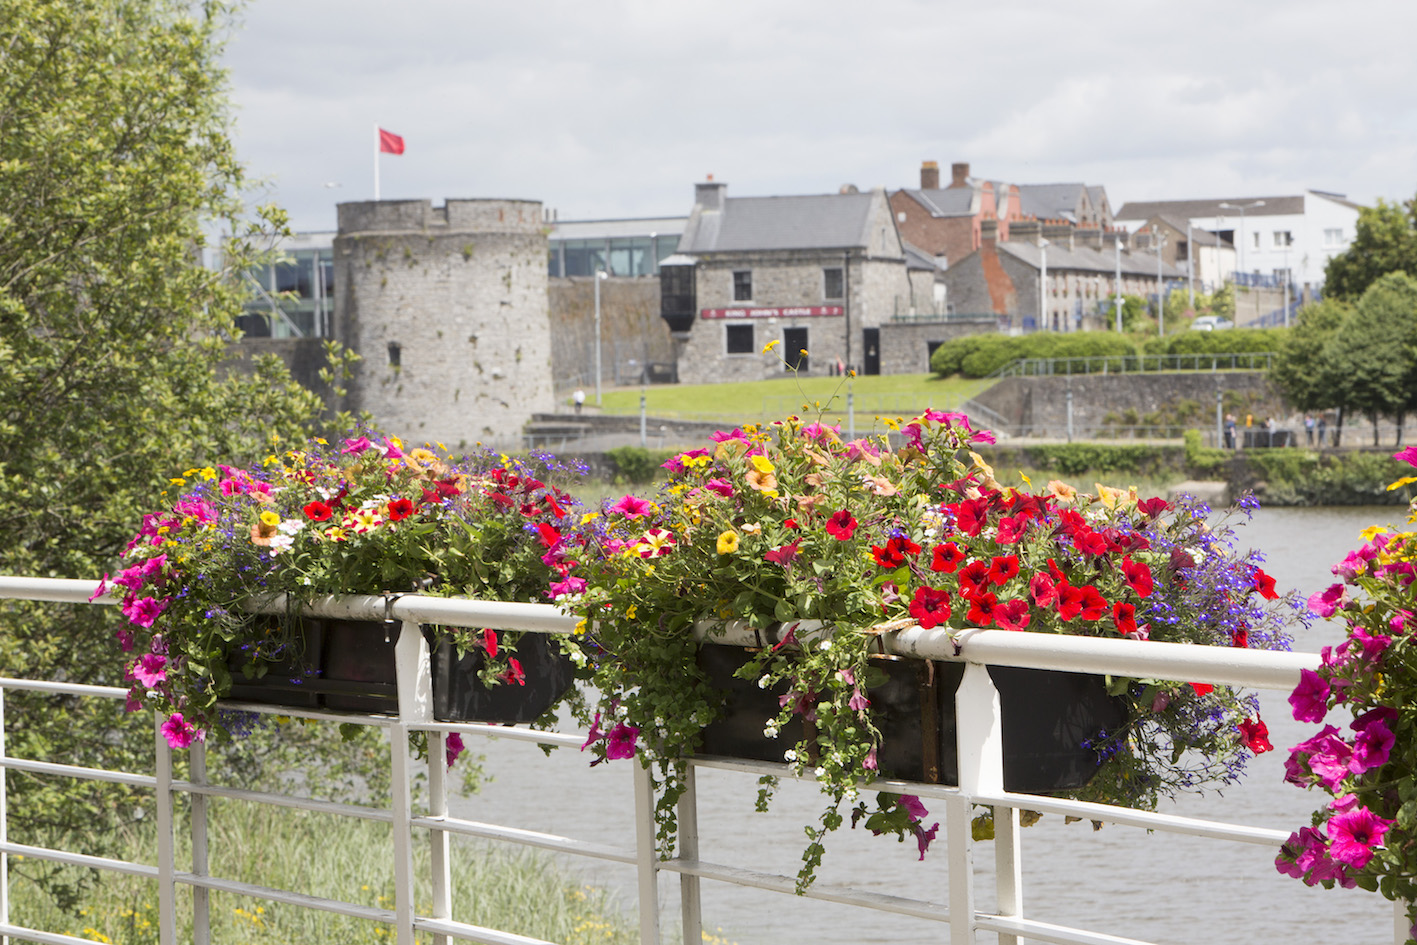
(620, 742)
(1310, 697)
(356, 445)
(143, 612)
(454, 747)
(1408, 456)
(1354, 834)
(632, 506)
(180, 733)
(1327, 602)
(150, 669)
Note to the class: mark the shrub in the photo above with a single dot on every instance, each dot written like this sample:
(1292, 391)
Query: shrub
(982, 355)
(636, 465)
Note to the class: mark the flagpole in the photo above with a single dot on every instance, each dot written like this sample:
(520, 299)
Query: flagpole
(376, 160)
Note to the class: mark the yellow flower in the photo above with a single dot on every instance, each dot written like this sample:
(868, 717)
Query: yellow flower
(580, 630)
(770, 345)
(589, 517)
(177, 481)
(270, 518)
(727, 542)
(763, 465)
(208, 473)
(630, 612)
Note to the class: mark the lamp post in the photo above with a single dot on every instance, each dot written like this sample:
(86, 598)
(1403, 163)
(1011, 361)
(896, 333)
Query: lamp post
(1286, 285)
(1242, 207)
(1043, 282)
(1160, 296)
(1117, 281)
(1190, 267)
(600, 274)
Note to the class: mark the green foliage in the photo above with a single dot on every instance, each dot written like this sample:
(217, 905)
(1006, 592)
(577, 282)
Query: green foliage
(982, 355)
(636, 465)
(114, 165)
(1228, 341)
(1074, 459)
(1134, 314)
(1302, 374)
(1370, 359)
(1385, 242)
(1201, 461)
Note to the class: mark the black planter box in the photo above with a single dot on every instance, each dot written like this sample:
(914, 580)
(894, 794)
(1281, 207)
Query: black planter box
(349, 665)
(1049, 719)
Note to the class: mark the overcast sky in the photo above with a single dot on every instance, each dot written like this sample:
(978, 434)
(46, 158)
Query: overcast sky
(613, 108)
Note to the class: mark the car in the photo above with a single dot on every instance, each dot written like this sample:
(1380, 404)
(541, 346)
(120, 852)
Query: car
(1211, 323)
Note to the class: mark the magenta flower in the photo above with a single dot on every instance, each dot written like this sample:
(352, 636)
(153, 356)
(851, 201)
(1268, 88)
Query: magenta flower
(923, 837)
(913, 807)
(719, 436)
(632, 506)
(571, 585)
(858, 701)
(356, 445)
(1408, 456)
(620, 742)
(595, 733)
(1310, 697)
(143, 612)
(1373, 646)
(150, 669)
(454, 747)
(179, 732)
(869, 763)
(1372, 747)
(1354, 834)
(720, 487)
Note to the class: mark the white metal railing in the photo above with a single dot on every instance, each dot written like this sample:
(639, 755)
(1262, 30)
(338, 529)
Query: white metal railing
(980, 782)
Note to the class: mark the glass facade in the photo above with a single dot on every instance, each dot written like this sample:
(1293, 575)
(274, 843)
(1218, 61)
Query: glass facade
(623, 256)
(291, 298)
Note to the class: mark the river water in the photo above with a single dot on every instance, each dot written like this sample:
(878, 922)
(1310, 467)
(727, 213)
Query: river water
(1158, 888)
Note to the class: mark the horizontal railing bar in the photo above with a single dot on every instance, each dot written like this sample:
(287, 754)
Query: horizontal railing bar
(776, 882)
(779, 769)
(20, 933)
(1149, 820)
(80, 859)
(474, 933)
(316, 715)
(529, 838)
(75, 771)
(63, 688)
(509, 732)
(286, 800)
(53, 590)
(1037, 931)
(336, 906)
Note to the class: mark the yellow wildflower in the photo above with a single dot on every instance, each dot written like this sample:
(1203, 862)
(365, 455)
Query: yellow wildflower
(770, 345)
(727, 542)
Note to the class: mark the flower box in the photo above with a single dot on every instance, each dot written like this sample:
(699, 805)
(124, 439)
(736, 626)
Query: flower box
(349, 665)
(1051, 719)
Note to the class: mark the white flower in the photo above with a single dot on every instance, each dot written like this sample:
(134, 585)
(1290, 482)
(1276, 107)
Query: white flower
(824, 645)
(820, 772)
(763, 683)
(789, 755)
(770, 731)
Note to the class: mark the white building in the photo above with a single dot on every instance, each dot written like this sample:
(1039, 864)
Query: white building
(1276, 239)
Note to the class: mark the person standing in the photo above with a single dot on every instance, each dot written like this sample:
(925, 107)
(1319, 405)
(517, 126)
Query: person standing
(1323, 429)
(1230, 431)
(1309, 428)
(579, 398)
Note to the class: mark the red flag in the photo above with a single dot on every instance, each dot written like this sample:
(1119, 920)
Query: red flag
(390, 143)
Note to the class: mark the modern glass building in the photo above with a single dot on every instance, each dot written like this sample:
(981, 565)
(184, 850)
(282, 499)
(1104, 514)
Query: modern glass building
(294, 296)
(620, 247)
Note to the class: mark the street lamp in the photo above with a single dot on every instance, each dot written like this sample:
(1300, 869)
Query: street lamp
(600, 274)
(1242, 207)
(1117, 280)
(1043, 283)
(1160, 297)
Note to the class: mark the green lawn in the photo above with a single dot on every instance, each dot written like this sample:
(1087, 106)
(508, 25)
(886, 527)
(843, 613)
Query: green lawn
(890, 395)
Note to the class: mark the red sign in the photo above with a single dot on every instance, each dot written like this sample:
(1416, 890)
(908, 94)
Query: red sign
(799, 311)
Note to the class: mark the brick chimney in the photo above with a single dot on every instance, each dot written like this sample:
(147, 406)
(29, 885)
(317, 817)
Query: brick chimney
(988, 231)
(959, 175)
(1058, 232)
(930, 175)
(1025, 231)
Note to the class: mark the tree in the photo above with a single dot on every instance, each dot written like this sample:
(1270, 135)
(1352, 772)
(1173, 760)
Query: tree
(1383, 333)
(1301, 372)
(1386, 241)
(114, 165)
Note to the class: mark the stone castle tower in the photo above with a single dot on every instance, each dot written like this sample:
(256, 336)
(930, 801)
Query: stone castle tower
(448, 307)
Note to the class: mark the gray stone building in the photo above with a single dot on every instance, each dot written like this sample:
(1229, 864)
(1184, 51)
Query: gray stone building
(820, 273)
(448, 308)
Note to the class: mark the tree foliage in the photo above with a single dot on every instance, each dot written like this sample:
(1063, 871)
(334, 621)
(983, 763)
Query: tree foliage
(1386, 241)
(1300, 371)
(115, 164)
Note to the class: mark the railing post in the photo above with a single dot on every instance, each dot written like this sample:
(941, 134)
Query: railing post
(4, 832)
(981, 768)
(439, 861)
(201, 896)
(690, 906)
(646, 857)
(166, 864)
(1402, 928)
(415, 687)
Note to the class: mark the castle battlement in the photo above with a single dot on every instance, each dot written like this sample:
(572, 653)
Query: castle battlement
(473, 215)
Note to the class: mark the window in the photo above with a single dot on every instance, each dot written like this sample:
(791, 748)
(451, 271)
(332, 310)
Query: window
(740, 339)
(1283, 238)
(1255, 239)
(833, 284)
(743, 286)
(1333, 237)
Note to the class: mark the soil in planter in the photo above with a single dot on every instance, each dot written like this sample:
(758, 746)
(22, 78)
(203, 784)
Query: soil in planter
(1049, 719)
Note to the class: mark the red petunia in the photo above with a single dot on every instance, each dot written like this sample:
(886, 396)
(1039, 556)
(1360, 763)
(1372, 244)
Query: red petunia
(1043, 590)
(973, 578)
(1012, 529)
(930, 607)
(790, 523)
(970, 515)
(1153, 507)
(1069, 601)
(514, 672)
(1201, 688)
(894, 552)
(1003, 569)
(400, 509)
(1094, 605)
(1124, 616)
(1012, 614)
(1256, 736)
(549, 535)
(946, 557)
(489, 642)
(1241, 638)
(1090, 543)
(1264, 584)
(981, 610)
(842, 525)
(783, 555)
(318, 511)
(1137, 576)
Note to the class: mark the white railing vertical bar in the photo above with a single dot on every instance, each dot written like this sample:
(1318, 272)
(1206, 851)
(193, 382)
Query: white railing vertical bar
(690, 905)
(415, 689)
(4, 831)
(439, 863)
(646, 857)
(1008, 868)
(166, 855)
(201, 896)
(981, 768)
(1402, 929)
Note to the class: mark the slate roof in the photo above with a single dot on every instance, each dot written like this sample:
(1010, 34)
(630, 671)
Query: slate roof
(1087, 259)
(826, 221)
(1273, 206)
(950, 202)
(1050, 201)
(1198, 236)
(916, 258)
